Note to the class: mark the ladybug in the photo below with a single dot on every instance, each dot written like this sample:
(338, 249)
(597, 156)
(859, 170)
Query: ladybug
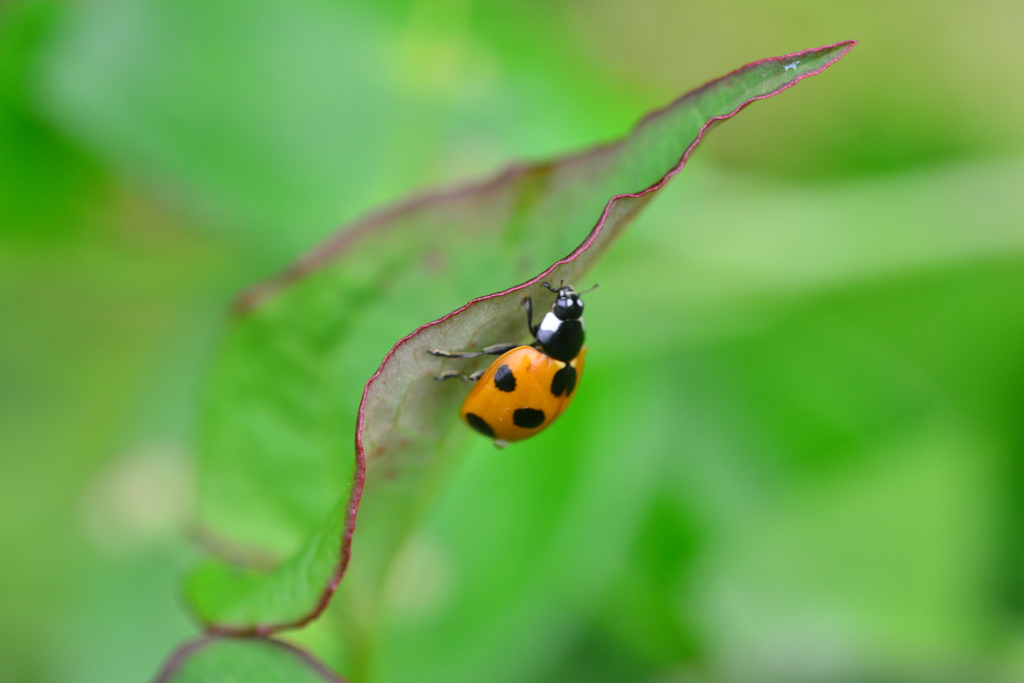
(527, 387)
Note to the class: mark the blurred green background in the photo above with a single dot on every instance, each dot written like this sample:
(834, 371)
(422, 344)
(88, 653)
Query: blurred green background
(798, 454)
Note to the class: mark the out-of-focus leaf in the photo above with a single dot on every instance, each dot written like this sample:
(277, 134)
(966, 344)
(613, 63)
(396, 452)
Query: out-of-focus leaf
(47, 186)
(277, 438)
(222, 107)
(254, 660)
(243, 114)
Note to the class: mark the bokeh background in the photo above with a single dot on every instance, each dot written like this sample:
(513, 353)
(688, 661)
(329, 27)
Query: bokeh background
(798, 454)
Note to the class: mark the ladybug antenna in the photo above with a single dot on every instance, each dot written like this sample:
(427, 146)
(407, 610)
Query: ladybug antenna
(589, 290)
(549, 287)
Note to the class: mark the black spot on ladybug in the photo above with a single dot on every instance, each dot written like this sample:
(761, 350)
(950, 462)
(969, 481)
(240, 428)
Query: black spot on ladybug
(504, 379)
(528, 418)
(564, 381)
(479, 424)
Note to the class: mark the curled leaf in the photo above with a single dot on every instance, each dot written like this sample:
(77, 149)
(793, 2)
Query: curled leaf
(277, 451)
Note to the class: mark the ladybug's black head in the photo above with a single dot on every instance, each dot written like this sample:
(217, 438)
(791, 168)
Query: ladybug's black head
(568, 304)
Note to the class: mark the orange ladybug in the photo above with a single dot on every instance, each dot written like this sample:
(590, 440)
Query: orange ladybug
(527, 387)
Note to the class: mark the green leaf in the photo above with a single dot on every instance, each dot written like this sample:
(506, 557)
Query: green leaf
(254, 660)
(276, 448)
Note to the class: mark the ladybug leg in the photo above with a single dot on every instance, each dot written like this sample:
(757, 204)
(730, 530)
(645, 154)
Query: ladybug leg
(451, 374)
(528, 302)
(493, 350)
